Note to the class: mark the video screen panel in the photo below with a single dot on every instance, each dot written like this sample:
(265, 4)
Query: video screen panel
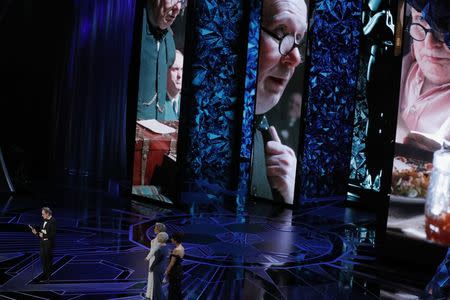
(419, 191)
(279, 94)
(159, 97)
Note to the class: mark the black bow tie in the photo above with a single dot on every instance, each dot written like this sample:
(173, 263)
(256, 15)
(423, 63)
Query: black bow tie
(157, 33)
(261, 123)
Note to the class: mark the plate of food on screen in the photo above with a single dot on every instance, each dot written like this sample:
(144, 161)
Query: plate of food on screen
(410, 179)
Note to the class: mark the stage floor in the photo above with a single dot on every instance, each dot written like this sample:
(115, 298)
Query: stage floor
(324, 252)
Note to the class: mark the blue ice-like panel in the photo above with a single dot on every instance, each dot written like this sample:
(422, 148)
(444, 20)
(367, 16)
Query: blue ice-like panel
(329, 117)
(216, 79)
(249, 101)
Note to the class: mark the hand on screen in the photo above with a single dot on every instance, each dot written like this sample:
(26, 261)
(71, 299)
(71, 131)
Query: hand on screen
(421, 141)
(281, 164)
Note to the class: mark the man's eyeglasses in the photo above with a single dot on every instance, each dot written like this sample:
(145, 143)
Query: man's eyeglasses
(418, 33)
(286, 43)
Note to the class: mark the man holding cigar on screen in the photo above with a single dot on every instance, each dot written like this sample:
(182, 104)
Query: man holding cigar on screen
(46, 235)
(283, 27)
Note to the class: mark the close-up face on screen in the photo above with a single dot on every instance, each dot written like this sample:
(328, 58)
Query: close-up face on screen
(420, 203)
(159, 97)
(278, 99)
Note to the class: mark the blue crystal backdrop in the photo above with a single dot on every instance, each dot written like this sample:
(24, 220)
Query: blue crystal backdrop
(216, 88)
(358, 167)
(249, 99)
(358, 161)
(438, 287)
(330, 108)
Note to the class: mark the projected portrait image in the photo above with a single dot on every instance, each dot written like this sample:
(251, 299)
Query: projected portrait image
(424, 109)
(158, 103)
(423, 114)
(278, 99)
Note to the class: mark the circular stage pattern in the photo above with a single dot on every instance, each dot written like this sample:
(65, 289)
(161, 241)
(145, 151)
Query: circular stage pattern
(250, 241)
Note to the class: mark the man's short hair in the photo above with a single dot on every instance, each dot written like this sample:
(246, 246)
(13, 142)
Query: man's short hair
(47, 210)
(179, 52)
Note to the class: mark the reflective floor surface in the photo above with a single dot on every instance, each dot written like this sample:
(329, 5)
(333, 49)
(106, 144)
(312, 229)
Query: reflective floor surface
(326, 251)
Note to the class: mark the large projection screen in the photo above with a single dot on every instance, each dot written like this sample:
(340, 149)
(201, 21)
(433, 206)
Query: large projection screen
(423, 115)
(279, 95)
(159, 97)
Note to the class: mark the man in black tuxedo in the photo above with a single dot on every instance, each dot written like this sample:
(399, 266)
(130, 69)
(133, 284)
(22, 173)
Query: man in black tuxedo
(46, 235)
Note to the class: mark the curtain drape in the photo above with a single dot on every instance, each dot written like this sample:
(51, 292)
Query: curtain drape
(90, 99)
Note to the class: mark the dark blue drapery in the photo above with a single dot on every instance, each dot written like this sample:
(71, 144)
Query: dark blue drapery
(91, 92)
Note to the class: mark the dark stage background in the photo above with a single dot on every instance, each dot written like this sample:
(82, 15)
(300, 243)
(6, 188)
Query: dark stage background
(63, 113)
(64, 72)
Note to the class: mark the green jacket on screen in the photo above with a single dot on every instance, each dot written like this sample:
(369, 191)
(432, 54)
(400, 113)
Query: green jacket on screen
(156, 57)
